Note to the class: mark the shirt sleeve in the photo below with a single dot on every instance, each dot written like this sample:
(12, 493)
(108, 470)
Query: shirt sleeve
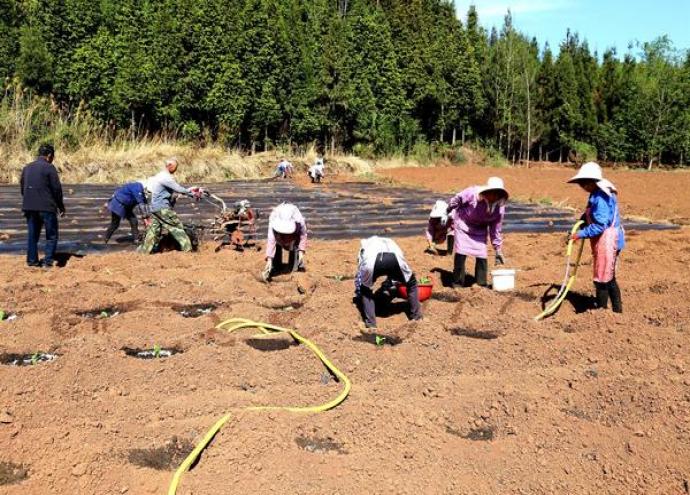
(496, 231)
(171, 183)
(299, 219)
(600, 219)
(270, 242)
(56, 189)
(429, 232)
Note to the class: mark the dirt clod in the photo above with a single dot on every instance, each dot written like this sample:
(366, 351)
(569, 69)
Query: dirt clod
(319, 445)
(475, 334)
(11, 473)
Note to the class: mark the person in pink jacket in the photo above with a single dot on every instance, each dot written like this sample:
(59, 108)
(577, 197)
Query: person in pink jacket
(287, 230)
(477, 213)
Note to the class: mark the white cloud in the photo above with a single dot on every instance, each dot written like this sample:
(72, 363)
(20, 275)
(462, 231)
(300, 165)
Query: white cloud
(491, 11)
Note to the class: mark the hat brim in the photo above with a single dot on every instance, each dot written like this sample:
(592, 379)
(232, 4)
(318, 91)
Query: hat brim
(284, 226)
(505, 193)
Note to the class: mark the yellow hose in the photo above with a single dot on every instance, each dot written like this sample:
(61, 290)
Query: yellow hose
(267, 330)
(569, 277)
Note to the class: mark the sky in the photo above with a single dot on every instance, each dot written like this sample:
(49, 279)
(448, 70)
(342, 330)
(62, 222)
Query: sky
(603, 23)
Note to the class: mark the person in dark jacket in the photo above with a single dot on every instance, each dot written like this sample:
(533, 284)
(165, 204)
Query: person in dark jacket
(41, 203)
(122, 204)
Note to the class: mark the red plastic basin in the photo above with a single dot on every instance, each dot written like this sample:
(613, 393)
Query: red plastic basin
(423, 289)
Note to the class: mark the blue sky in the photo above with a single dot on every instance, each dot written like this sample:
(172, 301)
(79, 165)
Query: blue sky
(603, 23)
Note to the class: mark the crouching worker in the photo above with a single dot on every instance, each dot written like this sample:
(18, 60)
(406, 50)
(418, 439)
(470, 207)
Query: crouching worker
(381, 257)
(316, 171)
(605, 232)
(163, 187)
(121, 206)
(287, 230)
(440, 228)
(478, 211)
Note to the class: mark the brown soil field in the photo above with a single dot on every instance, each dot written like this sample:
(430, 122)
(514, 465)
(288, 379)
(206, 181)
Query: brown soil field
(657, 195)
(476, 399)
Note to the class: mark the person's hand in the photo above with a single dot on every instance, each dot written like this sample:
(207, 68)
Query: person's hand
(300, 257)
(575, 237)
(147, 222)
(62, 213)
(500, 259)
(266, 273)
(431, 249)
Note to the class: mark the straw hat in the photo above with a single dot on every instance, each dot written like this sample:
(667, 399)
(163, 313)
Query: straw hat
(439, 210)
(607, 186)
(494, 184)
(588, 171)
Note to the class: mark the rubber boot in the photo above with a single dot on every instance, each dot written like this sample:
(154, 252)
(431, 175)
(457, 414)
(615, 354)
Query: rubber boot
(602, 292)
(481, 268)
(459, 270)
(615, 293)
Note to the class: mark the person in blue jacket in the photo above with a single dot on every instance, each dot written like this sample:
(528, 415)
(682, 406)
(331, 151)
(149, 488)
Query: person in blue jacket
(122, 204)
(604, 229)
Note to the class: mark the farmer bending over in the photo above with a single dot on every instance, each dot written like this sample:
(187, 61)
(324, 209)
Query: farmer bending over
(284, 169)
(122, 204)
(316, 171)
(381, 257)
(286, 230)
(478, 211)
(605, 232)
(440, 228)
(163, 187)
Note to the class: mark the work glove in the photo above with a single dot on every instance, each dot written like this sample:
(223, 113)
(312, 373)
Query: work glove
(266, 273)
(431, 249)
(500, 260)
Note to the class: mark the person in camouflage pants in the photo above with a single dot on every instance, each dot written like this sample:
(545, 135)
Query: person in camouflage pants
(167, 220)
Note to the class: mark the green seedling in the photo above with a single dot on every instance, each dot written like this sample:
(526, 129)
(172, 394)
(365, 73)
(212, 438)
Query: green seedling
(425, 280)
(338, 278)
(104, 314)
(156, 351)
(379, 340)
(2, 315)
(34, 358)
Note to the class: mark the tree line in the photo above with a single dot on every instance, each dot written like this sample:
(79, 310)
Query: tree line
(373, 76)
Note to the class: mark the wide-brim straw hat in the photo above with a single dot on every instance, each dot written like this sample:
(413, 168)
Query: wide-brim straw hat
(494, 184)
(440, 209)
(588, 171)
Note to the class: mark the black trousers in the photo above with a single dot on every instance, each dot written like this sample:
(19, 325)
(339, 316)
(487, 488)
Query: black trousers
(481, 267)
(604, 291)
(115, 224)
(293, 264)
(387, 266)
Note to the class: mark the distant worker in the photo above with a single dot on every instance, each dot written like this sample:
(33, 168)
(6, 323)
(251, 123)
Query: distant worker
(440, 228)
(381, 257)
(287, 230)
(478, 211)
(605, 232)
(284, 169)
(121, 206)
(163, 187)
(42, 201)
(316, 172)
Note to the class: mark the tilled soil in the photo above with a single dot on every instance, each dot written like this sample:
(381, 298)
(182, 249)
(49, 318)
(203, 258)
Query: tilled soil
(476, 399)
(659, 195)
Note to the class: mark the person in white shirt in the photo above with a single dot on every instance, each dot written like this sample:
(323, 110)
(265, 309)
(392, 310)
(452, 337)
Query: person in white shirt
(381, 257)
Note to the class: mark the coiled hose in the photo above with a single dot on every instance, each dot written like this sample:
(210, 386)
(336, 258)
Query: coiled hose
(266, 330)
(570, 274)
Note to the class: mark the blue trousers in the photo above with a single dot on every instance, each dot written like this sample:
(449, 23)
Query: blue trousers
(35, 221)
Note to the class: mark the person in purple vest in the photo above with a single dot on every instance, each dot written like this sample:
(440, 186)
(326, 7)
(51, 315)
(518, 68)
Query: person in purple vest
(477, 213)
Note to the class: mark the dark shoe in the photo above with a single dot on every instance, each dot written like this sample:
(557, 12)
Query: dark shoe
(35, 264)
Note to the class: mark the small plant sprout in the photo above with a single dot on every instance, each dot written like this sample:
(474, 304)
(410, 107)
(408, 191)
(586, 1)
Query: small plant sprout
(34, 358)
(380, 340)
(156, 351)
(425, 280)
(2, 315)
(104, 314)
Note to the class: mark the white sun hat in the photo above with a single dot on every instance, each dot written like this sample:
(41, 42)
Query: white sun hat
(494, 184)
(588, 171)
(282, 220)
(439, 210)
(607, 186)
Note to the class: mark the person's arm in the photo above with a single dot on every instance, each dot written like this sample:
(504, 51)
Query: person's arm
(302, 236)
(429, 233)
(21, 181)
(600, 219)
(270, 243)
(140, 197)
(459, 199)
(56, 189)
(496, 231)
(171, 183)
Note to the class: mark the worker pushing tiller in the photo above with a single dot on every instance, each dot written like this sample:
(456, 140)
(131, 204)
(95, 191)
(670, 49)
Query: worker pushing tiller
(382, 257)
(287, 230)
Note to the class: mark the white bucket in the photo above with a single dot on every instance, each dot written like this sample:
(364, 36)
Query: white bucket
(503, 279)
